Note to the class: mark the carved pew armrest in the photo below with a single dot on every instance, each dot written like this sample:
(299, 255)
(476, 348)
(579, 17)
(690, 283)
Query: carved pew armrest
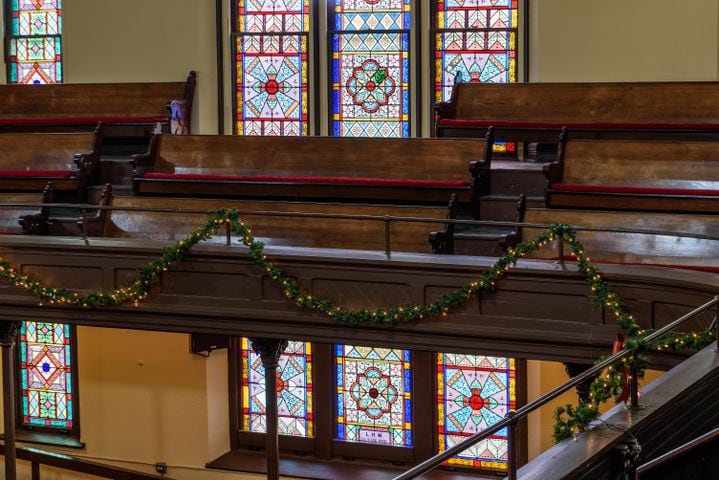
(143, 163)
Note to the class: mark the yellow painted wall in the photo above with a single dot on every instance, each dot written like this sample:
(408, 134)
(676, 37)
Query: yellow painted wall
(570, 40)
(542, 377)
(619, 40)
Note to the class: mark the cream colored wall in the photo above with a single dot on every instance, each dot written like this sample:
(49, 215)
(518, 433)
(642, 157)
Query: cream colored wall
(140, 40)
(542, 377)
(617, 40)
(589, 40)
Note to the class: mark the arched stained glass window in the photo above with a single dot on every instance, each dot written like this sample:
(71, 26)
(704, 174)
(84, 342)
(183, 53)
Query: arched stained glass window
(474, 392)
(373, 395)
(33, 31)
(271, 67)
(294, 391)
(474, 41)
(47, 385)
(370, 68)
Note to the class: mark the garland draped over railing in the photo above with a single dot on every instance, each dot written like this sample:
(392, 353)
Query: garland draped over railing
(569, 419)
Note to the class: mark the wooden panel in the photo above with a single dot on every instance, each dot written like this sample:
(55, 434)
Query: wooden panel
(541, 310)
(10, 216)
(89, 100)
(86, 278)
(422, 159)
(357, 294)
(279, 230)
(663, 164)
(36, 151)
(183, 283)
(661, 102)
(634, 247)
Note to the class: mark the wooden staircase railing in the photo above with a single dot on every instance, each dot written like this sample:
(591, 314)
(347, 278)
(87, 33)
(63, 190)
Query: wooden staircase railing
(695, 459)
(38, 457)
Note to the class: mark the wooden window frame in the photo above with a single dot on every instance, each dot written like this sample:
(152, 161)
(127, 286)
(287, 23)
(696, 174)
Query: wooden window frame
(324, 446)
(49, 435)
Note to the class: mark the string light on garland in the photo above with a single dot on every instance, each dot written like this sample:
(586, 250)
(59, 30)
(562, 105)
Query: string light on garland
(568, 420)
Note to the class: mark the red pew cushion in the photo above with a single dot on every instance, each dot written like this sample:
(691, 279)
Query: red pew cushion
(455, 122)
(573, 187)
(79, 120)
(381, 182)
(37, 173)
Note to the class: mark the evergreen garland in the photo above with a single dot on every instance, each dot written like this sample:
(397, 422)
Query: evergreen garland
(569, 419)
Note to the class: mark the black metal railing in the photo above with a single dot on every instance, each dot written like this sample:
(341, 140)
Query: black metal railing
(38, 457)
(386, 219)
(512, 418)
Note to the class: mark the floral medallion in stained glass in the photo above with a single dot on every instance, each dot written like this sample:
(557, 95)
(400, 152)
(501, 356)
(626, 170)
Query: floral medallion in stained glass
(373, 395)
(474, 392)
(370, 68)
(294, 391)
(271, 67)
(46, 370)
(371, 85)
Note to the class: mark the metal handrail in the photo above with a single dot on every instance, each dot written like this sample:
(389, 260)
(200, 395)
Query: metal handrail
(512, 418)
(348, 216)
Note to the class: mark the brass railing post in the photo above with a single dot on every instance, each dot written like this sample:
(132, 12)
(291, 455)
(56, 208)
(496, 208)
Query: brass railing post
(560, 247)
(228, 233)
(387, 249)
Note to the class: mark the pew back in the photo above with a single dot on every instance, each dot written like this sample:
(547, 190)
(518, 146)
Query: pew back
(318, 156)
(661, 164)
(674, 103)
(535, 111)
(43, 151)
(278, 230)
(615, 247)
(70, 161)
(10, 217)
(361, 168)
(80, 107)
(679, 175)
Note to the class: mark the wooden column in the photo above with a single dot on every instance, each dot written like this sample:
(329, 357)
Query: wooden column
(574, 369)
(269, 350)
(8, 337)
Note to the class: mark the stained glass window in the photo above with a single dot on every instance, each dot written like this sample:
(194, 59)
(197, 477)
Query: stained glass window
(46, 371)
(294, 390)
(474, 392)
(370, 68)
(271, 67)
(475, 41)
(373, 395)
(34, 44)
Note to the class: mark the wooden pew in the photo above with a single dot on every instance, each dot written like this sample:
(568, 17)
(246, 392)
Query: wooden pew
(537, 111)
(30, 160)
(653, 175)
(128, 108)
(633, 248)
(16, 220)
(297, 231)
(413, 170)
